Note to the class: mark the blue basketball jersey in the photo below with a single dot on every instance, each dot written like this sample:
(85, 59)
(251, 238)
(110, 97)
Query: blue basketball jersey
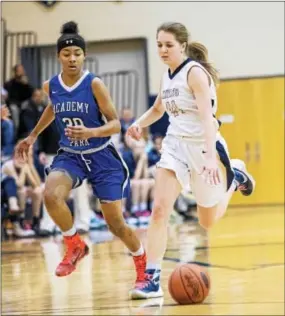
(74, 106)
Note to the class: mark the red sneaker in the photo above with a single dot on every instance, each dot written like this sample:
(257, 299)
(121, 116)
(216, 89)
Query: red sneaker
(76, 250)
(140, 263)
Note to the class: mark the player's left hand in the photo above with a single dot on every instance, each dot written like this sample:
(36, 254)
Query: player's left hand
(211, 172)
(78, 132)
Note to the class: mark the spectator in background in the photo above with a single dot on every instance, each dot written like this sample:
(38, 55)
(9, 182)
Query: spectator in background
(48, 142)
(4, 95)
(28, 186)
(19, 90)
(9, 199)
(154, 154)
(147, 138)
(7, 134)
(31, 111)
(127, 118)
(128, 156)
(141, 185)
(10, 209)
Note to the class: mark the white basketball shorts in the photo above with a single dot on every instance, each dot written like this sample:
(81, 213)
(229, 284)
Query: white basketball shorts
(187, 159)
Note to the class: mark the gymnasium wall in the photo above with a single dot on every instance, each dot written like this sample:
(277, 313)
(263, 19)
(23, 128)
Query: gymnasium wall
(255, 133)
(244, 39)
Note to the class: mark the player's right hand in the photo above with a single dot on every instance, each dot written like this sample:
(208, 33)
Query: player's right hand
(23, 148)
(135, 131)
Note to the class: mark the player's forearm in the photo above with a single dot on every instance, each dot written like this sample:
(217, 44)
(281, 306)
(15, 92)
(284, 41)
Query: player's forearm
(149, 117)
(110, 128)
(203, 100)
(210, 135)
(44, 121)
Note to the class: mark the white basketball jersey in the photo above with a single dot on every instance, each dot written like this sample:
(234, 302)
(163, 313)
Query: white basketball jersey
(180, 103)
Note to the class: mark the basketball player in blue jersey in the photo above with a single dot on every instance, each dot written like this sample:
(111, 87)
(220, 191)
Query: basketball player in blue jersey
(78, 101)
(193, 152)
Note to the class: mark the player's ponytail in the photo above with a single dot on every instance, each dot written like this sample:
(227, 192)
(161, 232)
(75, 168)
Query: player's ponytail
(199, 53)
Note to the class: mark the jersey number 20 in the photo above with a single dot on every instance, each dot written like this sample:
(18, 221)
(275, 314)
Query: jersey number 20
(72, 121)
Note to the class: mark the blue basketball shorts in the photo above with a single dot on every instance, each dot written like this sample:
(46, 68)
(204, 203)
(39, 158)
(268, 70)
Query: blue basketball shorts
(105, 170)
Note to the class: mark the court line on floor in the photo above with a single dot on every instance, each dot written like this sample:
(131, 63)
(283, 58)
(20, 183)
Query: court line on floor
(229, 246)
(205, 264)
(93, 308)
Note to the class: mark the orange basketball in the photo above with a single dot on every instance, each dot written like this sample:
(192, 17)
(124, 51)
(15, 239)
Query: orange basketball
(189, 284)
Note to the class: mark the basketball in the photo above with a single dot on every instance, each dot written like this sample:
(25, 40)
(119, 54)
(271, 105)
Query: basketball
(189, 284)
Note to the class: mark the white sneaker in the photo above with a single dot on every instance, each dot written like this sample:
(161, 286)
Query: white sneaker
(247, 186)
(18, 231)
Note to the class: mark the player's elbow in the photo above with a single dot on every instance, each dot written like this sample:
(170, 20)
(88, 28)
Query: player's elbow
(159, 109)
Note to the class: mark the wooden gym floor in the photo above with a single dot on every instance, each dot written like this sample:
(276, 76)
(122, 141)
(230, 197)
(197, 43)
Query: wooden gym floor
(244, 253)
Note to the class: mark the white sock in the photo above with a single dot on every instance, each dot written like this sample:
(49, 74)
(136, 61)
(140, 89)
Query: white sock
(70, 232)
(143, 206)
(153, 266)
(13, 203)
(139, 252)
(135, 208)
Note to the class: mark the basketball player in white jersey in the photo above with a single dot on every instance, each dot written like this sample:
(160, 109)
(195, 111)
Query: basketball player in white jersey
(193, 152)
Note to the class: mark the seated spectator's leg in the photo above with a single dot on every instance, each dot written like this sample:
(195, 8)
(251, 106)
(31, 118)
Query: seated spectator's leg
(22, 197)
(135, 189)
(26, 194)
(47, 225)
(39, 167)
(17, 229)
(146, 186)
(9, 190)
(9, 193)
(37, 199)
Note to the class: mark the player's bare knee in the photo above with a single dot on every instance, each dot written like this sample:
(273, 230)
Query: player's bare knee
(51, 197)
(145, 182)
(148, 184)
(135, 184)
(38, 192)
(144, 185)
(22, 190)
